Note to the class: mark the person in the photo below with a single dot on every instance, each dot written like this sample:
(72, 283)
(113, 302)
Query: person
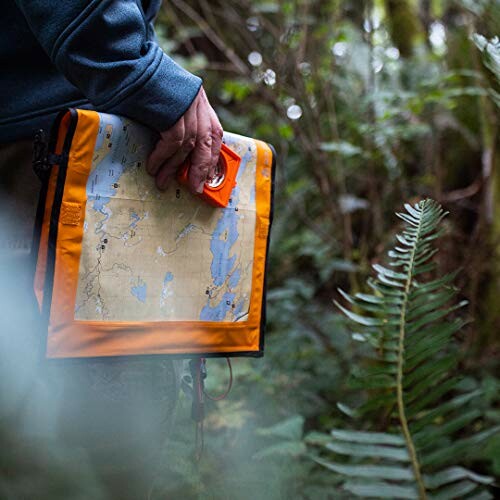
(100, 55)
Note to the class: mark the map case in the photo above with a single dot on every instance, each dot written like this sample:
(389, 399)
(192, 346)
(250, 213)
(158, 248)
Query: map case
(125, 269)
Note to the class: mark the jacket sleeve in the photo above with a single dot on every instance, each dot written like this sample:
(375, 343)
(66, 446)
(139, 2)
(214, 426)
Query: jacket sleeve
(104, 48)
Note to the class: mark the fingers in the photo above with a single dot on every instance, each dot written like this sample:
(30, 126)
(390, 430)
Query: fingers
(201, 156)
(180, 136)
(205, 156)
(170, 167)
(170, 141)
(167, 173)
(197, 134)
(217, 133)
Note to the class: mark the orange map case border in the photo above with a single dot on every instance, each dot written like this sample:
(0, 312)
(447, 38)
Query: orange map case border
(58, 237)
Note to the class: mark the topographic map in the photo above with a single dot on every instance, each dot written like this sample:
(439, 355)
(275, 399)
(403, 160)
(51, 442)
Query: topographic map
(162, 256)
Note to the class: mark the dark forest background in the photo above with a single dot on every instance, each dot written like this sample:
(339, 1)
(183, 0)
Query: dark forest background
(369, 104)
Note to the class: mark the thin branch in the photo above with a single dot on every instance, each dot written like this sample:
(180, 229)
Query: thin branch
(212, 35)
(460, 194)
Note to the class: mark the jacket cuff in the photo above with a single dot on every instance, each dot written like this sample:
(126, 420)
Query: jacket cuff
(163, 98)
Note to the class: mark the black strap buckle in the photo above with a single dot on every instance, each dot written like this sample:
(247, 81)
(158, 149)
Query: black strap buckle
(42, 160)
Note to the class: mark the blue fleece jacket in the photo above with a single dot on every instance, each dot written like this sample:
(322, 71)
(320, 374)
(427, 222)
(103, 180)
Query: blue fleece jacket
(97, 54)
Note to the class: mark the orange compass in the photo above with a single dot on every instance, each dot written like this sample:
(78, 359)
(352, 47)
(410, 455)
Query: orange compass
(218, 187)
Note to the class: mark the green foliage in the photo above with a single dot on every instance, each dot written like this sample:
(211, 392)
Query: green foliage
(412, 389)
(376, 128)
(491, 57)
(491, 53)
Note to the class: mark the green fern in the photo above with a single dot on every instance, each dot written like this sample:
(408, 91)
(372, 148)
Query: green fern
(406, 320)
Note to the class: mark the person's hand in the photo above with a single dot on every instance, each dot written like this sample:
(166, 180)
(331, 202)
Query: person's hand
(197, 134)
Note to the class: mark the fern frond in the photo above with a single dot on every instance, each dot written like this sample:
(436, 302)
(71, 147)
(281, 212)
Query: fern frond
(405, 320)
